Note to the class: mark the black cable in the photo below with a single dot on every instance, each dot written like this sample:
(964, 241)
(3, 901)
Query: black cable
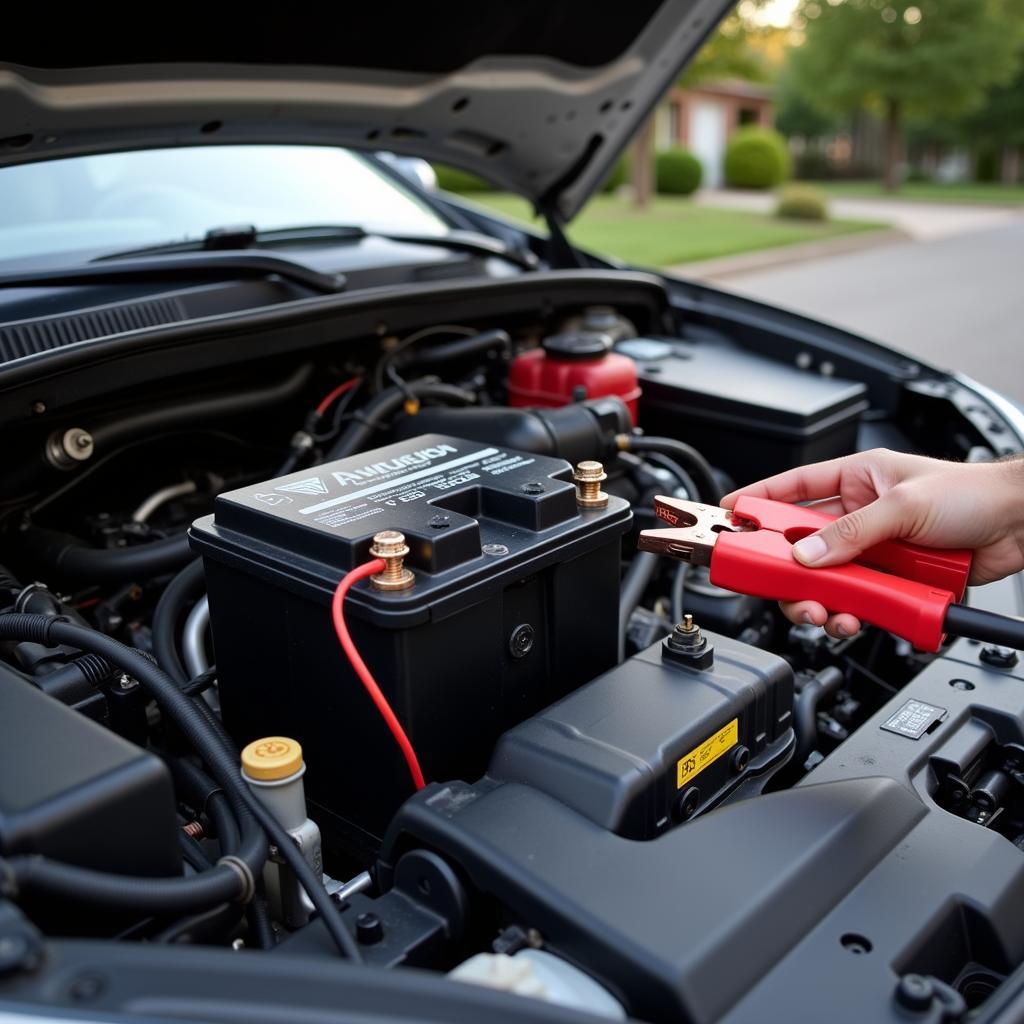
(988, 627)
(805, 709)
(639, 574)
(677, 599)
(385, 404)
(411, 339)
(227, 881)
(71, 558)
(184, 589)
(688, 458)
(201, 683)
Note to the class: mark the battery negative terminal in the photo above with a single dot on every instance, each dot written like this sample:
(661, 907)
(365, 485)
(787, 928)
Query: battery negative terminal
(390, 545)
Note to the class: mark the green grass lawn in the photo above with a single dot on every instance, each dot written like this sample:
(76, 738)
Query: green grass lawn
(673, 230)
(967, 192)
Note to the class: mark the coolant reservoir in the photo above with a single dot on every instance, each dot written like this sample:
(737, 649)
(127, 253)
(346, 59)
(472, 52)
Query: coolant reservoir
(570, 367)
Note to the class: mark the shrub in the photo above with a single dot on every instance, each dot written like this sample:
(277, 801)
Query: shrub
(451, 179)
(756, 158)
(677, 172)
(802, 202)
(618, 175)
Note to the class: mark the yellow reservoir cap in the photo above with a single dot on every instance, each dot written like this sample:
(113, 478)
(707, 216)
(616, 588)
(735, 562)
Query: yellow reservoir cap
(272, 758)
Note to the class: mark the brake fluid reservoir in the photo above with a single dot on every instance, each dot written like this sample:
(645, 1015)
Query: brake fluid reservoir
(570, 367)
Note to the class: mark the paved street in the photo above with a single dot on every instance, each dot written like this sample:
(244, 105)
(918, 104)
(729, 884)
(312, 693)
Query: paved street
(955, 297)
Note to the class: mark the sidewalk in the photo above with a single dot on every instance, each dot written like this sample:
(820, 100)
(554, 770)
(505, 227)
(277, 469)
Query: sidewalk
(919, 220)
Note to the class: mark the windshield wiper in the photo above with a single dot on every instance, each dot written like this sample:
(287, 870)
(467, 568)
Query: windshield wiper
(246, 237)
(158, 265)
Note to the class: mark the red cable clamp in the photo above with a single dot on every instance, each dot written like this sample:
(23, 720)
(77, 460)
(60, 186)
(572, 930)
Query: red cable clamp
(897, 586)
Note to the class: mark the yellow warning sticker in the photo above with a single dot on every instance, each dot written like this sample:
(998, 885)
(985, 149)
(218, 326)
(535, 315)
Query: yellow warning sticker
(707, 753)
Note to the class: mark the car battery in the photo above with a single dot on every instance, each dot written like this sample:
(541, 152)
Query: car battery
(654, 742)
(514, 604)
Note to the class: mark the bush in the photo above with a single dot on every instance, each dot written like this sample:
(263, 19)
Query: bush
(618, 175)
(756, 158)
(451, 179)
(677, 172)
(917, 176)
(802, 202)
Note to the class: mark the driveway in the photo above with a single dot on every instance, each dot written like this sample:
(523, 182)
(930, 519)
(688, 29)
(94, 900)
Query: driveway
(952, 293)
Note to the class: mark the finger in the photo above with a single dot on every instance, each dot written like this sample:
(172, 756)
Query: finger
(805, 483)
(843, 540)
(808, 613)
(842, 626)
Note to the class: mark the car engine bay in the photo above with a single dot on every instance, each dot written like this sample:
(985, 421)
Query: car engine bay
(643, 796)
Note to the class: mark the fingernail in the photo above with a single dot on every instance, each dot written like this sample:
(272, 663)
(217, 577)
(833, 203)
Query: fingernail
(810, 549)
(806, 617)
(842, 630)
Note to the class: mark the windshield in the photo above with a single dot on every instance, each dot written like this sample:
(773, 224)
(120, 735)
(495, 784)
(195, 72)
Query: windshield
(120, 200)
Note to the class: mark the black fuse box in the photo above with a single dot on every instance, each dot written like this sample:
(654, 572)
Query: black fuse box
(748, 414)
(515, 604)
(652, 742)
(74, 791)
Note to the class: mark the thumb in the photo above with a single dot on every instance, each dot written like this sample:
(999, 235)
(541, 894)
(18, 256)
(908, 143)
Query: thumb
(849, 535)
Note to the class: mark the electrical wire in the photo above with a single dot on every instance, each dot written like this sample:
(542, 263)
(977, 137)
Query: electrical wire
(988, 627)
(361, 572)
(426, 332)
(328, 400)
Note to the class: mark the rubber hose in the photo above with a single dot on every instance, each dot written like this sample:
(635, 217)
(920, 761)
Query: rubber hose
(688, 458)
(223, 766)
(639, 574)
(384, 405)
(459, 349)
(72, 558)
(805, 709)
(218, 407)
(185, 587)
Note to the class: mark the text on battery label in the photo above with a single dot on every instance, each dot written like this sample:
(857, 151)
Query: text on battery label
(395, 476)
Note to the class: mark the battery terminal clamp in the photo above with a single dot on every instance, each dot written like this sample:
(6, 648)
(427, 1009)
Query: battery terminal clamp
(904, 588)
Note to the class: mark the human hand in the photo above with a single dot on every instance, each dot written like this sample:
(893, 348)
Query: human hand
(882, 495)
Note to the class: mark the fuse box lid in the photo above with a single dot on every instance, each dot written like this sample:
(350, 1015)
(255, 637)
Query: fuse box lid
(473, 515)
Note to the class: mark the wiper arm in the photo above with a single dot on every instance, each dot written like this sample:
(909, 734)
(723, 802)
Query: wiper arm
(159, 267)
(246, 236)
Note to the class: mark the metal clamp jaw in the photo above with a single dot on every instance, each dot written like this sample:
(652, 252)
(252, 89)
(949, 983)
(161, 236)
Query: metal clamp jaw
(695, 529)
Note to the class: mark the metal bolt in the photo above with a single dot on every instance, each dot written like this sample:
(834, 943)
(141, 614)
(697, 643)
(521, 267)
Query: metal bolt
(390, 545)
(998, 656)
(588, 477)
(369, 928)
(38, 408)
(520, 643)
(686, 634)
(915, 992)
(125, 682)
(65, 449)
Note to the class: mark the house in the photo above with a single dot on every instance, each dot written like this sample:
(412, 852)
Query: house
(703, 117)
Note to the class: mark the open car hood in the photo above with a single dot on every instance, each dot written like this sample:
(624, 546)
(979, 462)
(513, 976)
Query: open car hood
(537, 97)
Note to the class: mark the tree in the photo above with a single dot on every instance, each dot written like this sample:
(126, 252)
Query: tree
(736, 50)
(929, 58)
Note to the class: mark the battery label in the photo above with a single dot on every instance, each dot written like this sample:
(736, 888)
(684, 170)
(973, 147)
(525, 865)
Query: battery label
(707, 753)
(914, 719)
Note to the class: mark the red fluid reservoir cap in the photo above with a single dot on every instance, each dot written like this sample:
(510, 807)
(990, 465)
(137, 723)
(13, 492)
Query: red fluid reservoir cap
(570, 367)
